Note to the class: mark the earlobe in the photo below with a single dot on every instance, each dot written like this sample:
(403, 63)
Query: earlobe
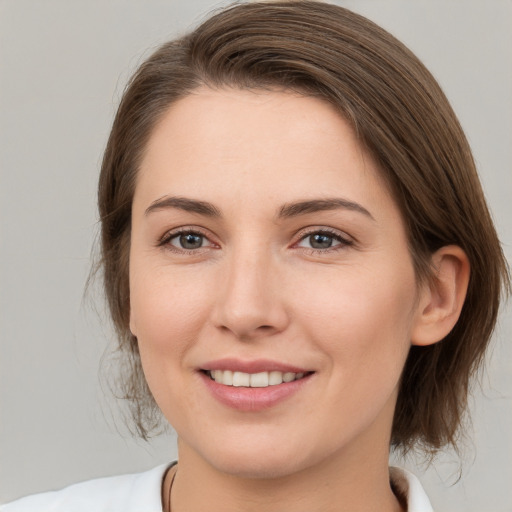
(442, 298)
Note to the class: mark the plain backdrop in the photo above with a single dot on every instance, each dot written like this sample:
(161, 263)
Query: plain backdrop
(63, 66)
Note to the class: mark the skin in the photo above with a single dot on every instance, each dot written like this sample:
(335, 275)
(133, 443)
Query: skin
(256, 288)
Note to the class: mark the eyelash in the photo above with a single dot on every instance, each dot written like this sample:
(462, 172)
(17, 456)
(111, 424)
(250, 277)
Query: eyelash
(165, 241)
(344, 242)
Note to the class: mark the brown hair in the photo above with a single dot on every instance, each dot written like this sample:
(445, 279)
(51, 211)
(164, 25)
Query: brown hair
(400, 116)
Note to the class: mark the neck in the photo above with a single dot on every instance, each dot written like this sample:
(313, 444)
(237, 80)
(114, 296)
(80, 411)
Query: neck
(337, 485)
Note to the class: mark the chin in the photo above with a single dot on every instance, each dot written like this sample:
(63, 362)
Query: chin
(257, 469)
(259, 462)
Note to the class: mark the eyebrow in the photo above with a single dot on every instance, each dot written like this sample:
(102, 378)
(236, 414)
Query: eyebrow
(288, 210)
(183, 203)
(317, 205)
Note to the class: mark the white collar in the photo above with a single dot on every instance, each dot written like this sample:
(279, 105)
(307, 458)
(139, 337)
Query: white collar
(142, 491)
(410, 487)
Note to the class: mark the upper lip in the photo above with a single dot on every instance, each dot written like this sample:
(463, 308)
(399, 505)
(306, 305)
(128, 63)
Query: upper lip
(253, 366)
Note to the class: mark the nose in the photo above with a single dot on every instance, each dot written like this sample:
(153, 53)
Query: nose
(251, 301)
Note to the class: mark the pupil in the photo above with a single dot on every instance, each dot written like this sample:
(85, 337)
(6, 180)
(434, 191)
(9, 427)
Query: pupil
(190, 241)
(320, 241)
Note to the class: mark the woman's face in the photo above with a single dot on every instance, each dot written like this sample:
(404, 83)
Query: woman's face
(265, 246)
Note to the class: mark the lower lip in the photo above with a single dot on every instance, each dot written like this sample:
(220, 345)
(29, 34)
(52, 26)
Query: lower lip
(253, 399)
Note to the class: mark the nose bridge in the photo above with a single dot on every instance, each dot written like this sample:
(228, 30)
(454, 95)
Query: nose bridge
(250, 303)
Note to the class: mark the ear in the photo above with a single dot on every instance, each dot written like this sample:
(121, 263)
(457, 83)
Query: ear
(442, 298)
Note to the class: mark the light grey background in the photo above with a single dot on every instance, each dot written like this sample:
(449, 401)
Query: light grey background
(63, 65)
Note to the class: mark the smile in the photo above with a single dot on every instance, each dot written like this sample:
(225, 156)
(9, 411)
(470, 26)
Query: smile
(253, 380)
(253, 391)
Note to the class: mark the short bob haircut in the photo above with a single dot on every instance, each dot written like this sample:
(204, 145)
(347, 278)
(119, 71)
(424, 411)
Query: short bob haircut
(402, 119)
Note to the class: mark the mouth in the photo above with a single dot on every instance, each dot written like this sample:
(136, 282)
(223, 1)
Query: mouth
(254, 385)
(253, 380)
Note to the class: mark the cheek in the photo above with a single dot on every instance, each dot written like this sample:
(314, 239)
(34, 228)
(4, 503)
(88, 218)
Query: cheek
(362, 319)
(168, 313)
(168, 310)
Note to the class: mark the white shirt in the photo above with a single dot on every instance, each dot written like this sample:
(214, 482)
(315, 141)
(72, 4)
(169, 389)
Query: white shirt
(141, 492)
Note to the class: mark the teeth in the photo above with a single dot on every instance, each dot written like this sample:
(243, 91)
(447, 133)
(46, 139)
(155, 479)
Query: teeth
(259, 380)
(240, 379)
(275, 378)
(225, 377)
(288, 377)
(253, 380)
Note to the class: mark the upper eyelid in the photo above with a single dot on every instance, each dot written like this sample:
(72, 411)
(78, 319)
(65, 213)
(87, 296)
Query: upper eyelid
(311, 230)
(297, 237)
(172, 233)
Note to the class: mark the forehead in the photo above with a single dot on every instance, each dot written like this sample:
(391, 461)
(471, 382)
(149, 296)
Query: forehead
(253, 143)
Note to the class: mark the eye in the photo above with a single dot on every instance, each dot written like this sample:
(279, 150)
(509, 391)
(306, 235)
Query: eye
(318, 241)
(323, 240)
(185, 241)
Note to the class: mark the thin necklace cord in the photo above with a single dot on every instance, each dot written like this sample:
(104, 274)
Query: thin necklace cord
(170, 490)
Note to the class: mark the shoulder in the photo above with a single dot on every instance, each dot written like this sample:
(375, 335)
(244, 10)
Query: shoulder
(123, 493)
(408, 486)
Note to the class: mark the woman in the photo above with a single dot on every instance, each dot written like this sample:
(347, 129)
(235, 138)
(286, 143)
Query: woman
(299, 260)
